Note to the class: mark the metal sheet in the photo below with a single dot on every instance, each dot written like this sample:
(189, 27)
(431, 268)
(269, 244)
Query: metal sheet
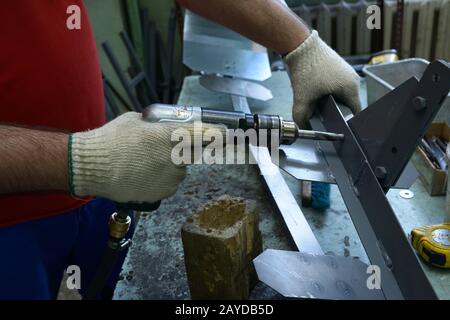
(237, 87)
(383, 78)
(405, 114)
(407, 178)
(240, 104)
(295, 221)
(379, 230)
(303, 275)
(214, 49)
(304, 160)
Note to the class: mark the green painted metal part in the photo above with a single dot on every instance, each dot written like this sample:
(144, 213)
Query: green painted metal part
(134, 24)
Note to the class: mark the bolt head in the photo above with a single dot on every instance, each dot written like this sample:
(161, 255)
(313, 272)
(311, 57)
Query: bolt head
(380, 172)
(419, 103)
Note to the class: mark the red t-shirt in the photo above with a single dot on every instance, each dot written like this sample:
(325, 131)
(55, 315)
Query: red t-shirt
(49, 77)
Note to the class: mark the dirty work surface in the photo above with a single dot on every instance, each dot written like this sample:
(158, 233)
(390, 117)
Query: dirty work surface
(155, 265)
(154, 268)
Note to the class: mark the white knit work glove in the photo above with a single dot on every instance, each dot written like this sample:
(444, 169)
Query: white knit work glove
(126, 160)
(317, 70)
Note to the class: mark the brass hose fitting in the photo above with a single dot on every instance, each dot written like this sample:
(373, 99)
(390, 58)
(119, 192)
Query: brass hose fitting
(118, 227)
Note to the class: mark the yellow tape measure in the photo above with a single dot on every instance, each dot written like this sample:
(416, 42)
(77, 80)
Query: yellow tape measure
(433, 244)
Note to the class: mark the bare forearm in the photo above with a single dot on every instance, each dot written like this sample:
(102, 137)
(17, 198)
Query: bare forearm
(32, 160)
(268, 22)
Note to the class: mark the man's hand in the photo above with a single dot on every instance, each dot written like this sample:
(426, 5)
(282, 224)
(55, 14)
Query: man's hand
(127, 160)
(317, 70)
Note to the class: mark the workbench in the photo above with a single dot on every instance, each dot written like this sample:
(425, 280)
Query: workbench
(154, 267)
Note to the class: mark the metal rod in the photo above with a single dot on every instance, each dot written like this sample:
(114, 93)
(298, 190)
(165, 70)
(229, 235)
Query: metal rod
(319, 135)
(117, 67)
(152, 94)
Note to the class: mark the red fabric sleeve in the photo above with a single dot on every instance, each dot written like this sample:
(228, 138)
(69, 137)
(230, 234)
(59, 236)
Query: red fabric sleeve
(49, 77)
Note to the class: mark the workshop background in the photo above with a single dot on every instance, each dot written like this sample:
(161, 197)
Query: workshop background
(413, 28)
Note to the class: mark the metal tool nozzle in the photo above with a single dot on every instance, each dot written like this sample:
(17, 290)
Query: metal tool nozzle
(319, 135)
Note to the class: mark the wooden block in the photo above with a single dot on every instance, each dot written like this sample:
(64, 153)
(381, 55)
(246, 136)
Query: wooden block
(220, 241)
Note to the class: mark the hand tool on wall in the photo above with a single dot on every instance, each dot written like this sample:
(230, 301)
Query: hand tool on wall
(289, 131)
(137, 85)
(434, 152)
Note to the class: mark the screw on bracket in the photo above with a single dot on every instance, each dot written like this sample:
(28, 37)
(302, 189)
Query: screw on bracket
(380, 172)
(419, 103)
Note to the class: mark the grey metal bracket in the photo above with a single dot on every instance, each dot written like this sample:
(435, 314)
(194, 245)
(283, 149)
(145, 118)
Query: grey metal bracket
(389, 130)
(356, 174)
(304, 161)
